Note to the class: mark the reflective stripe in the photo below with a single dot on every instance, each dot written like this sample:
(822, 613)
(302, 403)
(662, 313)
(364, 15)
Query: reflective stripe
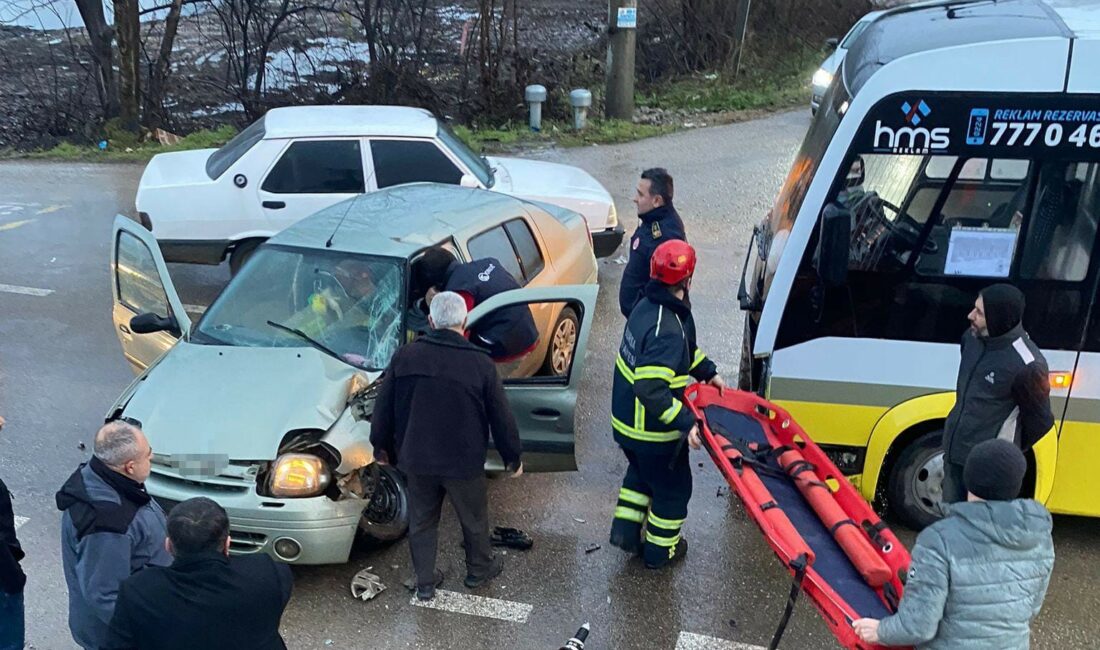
(632, 496)
(671, 525)
(642, 434)
(699, 358)
(680, 381)
(671, 412)
(654, 372)
(639, 415)
(628, 374)
(661, 541)
(629, 514)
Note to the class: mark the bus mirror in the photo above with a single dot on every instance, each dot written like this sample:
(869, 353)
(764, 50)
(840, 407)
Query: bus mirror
(831, 44)
(832, 246)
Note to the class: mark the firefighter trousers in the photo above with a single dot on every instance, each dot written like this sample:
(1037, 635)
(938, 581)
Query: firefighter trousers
(655, 493)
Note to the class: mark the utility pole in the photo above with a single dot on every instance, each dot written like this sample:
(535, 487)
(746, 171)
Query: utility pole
(622, 21)
(742, 30)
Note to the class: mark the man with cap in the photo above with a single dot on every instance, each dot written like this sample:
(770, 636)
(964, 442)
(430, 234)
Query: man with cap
(978, 576)
(1003, 389)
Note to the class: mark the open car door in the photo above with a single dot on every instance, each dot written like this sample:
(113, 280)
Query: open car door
(545, 405)
(148, 315)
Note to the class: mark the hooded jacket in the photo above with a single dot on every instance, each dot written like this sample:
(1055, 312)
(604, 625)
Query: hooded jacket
(657, 226)
(110, 529)
(976, 580)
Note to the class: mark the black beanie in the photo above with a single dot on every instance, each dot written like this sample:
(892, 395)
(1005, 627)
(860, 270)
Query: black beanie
(1004, 308)
(995, 470)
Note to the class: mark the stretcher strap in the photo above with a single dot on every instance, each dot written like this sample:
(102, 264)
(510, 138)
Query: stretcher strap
(799, 565)
(842, 522)
(874, 531)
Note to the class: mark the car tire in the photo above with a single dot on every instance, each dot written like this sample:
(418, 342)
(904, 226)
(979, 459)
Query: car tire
(563, 344)
(241, 253)
(386, 518)
(915, 486)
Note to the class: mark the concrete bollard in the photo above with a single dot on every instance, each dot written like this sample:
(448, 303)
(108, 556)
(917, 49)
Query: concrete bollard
(581, 100)
(535, 96)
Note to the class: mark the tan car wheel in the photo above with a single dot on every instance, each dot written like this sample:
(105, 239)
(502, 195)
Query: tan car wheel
(563, 341)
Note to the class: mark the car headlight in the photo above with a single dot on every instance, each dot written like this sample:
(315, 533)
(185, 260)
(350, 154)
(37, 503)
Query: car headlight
(822, 78)
(298, 475)
(612, 216)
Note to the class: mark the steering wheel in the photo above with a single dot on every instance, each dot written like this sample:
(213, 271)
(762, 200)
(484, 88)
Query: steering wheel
(904, 235)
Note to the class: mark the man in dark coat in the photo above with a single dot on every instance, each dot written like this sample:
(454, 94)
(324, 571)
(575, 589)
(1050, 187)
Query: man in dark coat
(12, 578)
(440, 400)
(506, 334)
(206, 599)
(659, 223)
(1003, 388)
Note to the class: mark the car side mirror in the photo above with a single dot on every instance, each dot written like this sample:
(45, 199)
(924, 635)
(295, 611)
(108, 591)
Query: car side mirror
(469, 180)
(149, 323)
(832, 43)
(832, 246)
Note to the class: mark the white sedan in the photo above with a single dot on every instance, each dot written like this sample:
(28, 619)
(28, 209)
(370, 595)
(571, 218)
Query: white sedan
(205, 205)
(823, 77)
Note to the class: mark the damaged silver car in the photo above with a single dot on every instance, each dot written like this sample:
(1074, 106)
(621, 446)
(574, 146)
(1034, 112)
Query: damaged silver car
(264, 404)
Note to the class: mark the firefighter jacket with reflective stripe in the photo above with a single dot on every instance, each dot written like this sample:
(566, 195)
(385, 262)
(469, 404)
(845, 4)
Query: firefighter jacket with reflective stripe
(656, 359)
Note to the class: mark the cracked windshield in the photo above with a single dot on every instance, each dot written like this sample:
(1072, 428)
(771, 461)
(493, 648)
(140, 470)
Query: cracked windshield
(347, 306)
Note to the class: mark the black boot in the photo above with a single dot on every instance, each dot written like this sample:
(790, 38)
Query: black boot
(678, 554)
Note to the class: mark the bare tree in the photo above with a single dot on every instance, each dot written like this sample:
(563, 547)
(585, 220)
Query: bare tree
(128, 36)
(100, 39)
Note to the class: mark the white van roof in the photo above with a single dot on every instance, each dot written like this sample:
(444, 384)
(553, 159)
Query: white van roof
(941, 24)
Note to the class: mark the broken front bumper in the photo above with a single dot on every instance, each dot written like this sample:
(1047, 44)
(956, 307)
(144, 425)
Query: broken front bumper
(321, 529)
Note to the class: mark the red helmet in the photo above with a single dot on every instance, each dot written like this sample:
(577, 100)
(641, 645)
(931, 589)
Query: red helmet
(672, 262)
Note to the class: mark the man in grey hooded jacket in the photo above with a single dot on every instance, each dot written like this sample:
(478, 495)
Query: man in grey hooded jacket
(979, 575)
(111, 528)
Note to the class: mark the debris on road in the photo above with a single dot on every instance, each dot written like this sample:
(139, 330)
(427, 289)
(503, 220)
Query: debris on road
(365, 585)
(579, 520)
(591, 548)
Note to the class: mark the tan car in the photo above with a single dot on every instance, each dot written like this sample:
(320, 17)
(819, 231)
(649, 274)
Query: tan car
(257, 405)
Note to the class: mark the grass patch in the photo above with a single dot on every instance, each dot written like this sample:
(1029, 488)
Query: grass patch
(130, 151)
(598, 131)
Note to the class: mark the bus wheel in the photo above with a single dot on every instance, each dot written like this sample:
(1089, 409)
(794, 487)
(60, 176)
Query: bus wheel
(915, 487)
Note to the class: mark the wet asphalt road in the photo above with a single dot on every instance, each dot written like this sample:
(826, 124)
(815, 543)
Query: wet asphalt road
(61, 368)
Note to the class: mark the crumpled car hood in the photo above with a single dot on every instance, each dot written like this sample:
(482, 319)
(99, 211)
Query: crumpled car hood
(235, 401)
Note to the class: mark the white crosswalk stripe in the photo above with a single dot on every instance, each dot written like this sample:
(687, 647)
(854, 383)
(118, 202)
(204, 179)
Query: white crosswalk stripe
(503, 610)
(689, 641)
(26, 291)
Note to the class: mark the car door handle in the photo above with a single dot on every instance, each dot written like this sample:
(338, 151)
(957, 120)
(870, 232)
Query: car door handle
(124, 329)
(274, 205)
(546, 414)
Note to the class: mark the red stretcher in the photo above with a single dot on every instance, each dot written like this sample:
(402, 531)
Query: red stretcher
(838, 551)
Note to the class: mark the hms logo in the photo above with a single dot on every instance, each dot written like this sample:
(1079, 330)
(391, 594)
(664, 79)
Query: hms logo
(912, 139)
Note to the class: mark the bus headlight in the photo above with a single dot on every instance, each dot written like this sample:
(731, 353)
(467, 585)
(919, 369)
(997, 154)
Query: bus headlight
(298, 475)
(822, 78)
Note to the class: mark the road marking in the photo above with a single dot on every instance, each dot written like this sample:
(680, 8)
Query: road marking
(194, 309)
(26, 291)
(51, 208)
(19, 521)
(689, 641)
(15, 224)
(450, 601)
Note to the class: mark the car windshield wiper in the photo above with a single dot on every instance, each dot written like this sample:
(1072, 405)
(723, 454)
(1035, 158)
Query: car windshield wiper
(307, 338)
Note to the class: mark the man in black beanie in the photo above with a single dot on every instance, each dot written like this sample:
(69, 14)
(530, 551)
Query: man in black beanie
(1003, 389)
(978, 576)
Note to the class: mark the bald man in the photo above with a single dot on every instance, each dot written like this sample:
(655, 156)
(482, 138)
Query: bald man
(110, 528)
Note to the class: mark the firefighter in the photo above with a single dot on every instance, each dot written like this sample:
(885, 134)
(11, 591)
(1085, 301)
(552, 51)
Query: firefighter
(657, 357)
